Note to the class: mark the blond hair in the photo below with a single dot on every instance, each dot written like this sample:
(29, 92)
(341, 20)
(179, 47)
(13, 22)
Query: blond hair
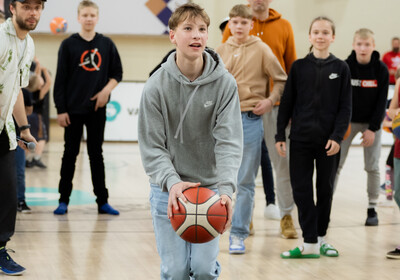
(87, 3)
(242, 11)
(187, 11)
(364, 33)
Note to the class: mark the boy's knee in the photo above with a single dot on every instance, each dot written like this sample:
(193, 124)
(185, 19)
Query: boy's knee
(203, 270)
(175, 272)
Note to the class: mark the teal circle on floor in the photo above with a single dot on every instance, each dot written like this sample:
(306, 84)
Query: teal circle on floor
(42, 196)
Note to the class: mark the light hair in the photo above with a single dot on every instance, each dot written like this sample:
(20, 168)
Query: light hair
(242, 11)
(364, 33)
(395, 39)
(86, 4)
(187, 11)
(322, 18)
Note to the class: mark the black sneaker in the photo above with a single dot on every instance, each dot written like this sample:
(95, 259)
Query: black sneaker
(29, 163)
(395, 254)
(8, 265)
(38, 163)
(23, 208)
(372, 219)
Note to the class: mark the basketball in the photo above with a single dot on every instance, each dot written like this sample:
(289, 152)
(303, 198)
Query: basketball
(58, 25)
(396, 126)
(202, 218)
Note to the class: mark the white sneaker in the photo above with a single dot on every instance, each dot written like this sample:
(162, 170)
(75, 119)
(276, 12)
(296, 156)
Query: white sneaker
(236, 245)
(271, 212)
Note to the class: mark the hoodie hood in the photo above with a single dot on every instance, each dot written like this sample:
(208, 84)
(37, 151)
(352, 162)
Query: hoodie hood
(273, 15)
(321, 61)
(213, 69)
(374, 57)
(251, 40)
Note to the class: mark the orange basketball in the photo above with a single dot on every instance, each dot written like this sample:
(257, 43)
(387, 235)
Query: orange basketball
(58, 25)
(202, 218)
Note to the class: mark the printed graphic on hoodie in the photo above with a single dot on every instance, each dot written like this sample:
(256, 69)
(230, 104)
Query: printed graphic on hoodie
(364, 83)
(91, 60)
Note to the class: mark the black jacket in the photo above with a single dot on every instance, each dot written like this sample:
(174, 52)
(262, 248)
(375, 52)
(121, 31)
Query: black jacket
(83, 69)
(370, 87)
(317, 97)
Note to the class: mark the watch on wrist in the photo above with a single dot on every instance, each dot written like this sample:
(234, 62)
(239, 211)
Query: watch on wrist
(21, 128)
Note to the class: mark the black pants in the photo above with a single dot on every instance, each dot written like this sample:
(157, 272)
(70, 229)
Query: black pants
(8, 191)
(313, 217)
(95, 124)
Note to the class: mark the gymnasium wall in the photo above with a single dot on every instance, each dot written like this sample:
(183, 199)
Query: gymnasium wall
(140, 53)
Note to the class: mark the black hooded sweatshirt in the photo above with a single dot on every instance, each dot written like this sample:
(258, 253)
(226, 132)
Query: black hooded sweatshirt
(317, 97)
(370, 87)
(83, 69)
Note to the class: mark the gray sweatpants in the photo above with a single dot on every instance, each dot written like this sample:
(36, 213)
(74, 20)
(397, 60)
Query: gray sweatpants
(371, 161)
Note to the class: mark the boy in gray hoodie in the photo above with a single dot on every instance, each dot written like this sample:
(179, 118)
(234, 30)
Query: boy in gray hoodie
(190, 134)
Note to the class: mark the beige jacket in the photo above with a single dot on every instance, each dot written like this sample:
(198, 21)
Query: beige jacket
(253, 64)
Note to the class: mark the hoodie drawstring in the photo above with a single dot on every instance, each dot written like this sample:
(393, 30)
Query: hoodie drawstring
(183, 114)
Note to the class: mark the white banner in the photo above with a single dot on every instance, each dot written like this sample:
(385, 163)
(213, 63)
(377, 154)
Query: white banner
(146, 17)
(122, 112)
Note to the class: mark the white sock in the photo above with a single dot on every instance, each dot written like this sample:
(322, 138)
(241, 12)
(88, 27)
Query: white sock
(321, 240)
(310, 248)
(36, 157)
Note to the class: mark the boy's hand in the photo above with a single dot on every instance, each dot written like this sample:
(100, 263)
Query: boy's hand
(333, 147)
(63, 120)
(101, 99)
(263, 106)
(368, 138)
(177, 192)
(281, 148)
(227, 202)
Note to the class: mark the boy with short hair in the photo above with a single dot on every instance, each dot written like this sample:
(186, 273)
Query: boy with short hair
(189, 135)
(369, 81)
(252, 63)
(89, 68)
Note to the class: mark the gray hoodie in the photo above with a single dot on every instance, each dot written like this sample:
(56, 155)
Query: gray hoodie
(191, 131)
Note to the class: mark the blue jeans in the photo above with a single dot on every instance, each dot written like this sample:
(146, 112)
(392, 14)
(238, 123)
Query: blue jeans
(252, 137)
(20, 166)
(180, 259)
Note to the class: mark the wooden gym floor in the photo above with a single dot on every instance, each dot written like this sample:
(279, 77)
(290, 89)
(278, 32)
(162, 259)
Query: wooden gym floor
(85, 245)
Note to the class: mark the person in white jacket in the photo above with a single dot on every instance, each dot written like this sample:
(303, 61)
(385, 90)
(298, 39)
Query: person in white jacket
(16, 55)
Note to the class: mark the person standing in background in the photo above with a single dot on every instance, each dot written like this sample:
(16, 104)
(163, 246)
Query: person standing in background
(369, 82)
(277, 33)
(88, 69)
(392, 60)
